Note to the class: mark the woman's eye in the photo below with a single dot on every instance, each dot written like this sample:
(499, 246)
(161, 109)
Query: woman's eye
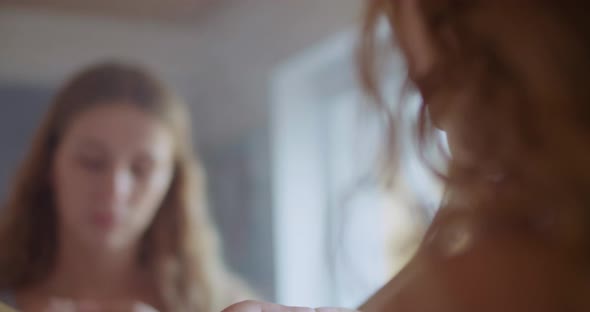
(93, 164)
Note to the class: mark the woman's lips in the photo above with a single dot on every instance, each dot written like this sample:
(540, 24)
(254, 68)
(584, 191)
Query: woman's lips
(105, 220)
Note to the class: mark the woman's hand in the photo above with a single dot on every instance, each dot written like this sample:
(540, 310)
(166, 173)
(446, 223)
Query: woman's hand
(258, 306)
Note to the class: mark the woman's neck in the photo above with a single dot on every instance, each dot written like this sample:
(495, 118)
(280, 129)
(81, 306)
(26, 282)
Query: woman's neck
(95, 273)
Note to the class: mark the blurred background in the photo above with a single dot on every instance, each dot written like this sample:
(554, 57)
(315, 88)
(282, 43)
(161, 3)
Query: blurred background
(291, 155)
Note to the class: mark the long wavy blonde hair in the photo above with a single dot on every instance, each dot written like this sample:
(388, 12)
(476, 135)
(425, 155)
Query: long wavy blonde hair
(180, 247)
(539, 149)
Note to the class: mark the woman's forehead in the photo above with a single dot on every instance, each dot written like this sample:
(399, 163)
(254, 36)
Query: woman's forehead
(120, 127)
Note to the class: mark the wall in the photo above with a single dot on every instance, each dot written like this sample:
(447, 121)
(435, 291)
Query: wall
(221, 62)
(21, 108)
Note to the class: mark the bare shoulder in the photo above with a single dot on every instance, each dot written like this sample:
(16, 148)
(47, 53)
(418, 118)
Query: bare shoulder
(463, 266)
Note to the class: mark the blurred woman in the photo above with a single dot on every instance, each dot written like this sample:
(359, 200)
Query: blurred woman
(507, 81)
(107, 212)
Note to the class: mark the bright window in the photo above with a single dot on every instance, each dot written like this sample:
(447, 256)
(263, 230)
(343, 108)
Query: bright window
(339, 235)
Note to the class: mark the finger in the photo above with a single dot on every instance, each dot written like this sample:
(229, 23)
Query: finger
(258, 306)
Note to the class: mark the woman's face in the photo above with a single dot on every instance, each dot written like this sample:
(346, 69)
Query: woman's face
(535, 54)
(110, 175)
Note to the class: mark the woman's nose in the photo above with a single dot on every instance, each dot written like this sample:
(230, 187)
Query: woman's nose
(117, 185)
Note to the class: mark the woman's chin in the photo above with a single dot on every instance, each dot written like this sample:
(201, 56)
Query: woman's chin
(105, 240)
